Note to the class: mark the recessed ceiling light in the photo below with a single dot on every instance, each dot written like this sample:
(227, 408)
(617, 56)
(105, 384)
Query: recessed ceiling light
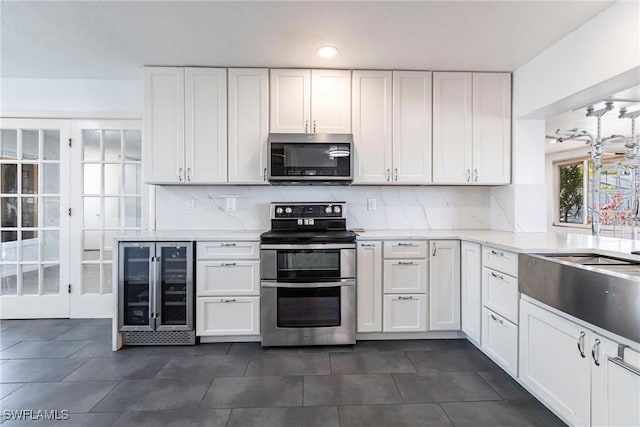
(327, 51)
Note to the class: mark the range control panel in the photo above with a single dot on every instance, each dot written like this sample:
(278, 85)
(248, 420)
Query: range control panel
(313, 210)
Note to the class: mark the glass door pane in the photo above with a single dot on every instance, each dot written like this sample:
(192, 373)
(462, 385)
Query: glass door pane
(136, 281)
(174, 273)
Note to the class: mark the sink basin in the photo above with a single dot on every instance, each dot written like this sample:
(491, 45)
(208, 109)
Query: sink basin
(591, 259)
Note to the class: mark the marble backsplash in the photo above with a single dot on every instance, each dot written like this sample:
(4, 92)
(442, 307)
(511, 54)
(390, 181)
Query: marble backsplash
(396, 207)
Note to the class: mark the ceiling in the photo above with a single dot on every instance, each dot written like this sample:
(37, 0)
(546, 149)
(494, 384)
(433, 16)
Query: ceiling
(113, 40)
(610, 123)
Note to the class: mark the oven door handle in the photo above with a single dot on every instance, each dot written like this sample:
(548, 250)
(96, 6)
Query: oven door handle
(307, 285)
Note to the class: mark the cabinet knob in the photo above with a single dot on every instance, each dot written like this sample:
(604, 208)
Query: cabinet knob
(264, 174)
(475, 175)
(180, 174)
(468, 175)
(388, 175)
(315, 123)
(435, 249)
(395, 171)
(189, 174)
(306, 126)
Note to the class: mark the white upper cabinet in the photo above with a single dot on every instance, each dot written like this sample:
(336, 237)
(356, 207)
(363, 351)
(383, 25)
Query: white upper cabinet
(310, 101)
(412, 127)
(444, 285)
(372, 126)
(205, 125)
(452, 128)
(248, 125)
(471, 128)
(491, 128)
(290, 101)
(163, 125)
(185, 125)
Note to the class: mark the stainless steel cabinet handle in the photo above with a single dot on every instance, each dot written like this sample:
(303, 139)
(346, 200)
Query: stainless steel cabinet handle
(306, 126)
(180, 174)
(228, 264)
(405, 262)
(620, 361)
(435, 250)
(468, 175)
(595, 352)
(368, 245)
(581, 344)
(498, 276)
(496, 319)
(227, 245)
(228, 300)
(264, 174)
(407, 244)
(497, 253)
(188, 174)
(475, 175)
(405, 298)
(388, 175)
(395, 171)
(315, 123)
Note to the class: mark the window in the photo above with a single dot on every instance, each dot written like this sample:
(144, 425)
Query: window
(575, 192)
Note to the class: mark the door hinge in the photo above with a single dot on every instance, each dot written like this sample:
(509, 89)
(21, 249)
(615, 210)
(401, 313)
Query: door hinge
(69, 211)
(69, 142)
(69, 288)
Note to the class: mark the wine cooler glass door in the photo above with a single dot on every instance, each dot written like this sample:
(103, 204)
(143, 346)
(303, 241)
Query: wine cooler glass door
(174, 286)
(136, 286)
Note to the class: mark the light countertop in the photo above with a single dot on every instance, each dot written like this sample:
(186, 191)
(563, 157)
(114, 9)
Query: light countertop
(195, 235)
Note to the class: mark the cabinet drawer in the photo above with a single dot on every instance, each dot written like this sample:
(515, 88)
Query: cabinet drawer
(228, 250)
(400, 249)
(500, 293)
(500, 340)
(405, 277)
(499, 260)
(227, 278)
(227, 316)
(405, 313)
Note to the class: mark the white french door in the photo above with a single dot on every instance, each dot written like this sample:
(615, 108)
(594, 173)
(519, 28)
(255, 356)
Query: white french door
(108, 199)
(34, 221)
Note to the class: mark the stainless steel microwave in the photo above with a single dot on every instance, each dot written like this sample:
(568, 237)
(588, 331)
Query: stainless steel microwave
(310, 158)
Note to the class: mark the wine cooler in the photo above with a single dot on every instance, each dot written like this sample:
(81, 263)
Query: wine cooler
(155, 293)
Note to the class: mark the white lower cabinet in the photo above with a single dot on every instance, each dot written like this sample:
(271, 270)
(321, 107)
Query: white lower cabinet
(444, 285)
(500, 340)
(405, 313)
(405, 276)
(500, 293)
(227, 316)
(228, 278)
(471, 293)
(554, 362)
(369, 287)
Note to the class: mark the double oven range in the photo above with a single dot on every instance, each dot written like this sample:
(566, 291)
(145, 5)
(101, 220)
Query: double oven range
(308, 276)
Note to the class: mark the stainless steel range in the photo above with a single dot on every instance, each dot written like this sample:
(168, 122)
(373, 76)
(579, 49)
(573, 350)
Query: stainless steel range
(308, 276)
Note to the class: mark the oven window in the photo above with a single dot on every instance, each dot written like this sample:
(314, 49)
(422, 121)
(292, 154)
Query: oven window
(310, 159)
(308, 265)
(308, 307)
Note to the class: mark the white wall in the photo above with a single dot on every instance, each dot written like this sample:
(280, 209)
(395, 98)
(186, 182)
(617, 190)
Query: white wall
(71, 98)
(397, 207)
(599, 58)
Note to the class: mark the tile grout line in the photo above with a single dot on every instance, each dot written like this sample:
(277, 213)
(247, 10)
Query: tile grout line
(103, 397)
(397, 388)
(445, 413)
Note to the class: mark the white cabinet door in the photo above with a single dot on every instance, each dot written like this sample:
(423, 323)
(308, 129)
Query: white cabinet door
(164, 125)
(444, 285)
(227, 316)
(225, 278)
(411, 127)
(405, 313)
(500, 340)
(372, 133)
(205, 125)
(228, 250)
(248, 125)
(369, 287)
(470, 284)
(405, 249)
(553, 365)
(405, 277)
(290, 103)
(491, 128)
(615, 385)
(452, 128)
(331, 101)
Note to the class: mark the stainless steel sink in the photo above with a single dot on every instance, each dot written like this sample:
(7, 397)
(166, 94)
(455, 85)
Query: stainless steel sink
(600, 289)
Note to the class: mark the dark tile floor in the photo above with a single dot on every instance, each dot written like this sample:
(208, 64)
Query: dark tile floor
(68, 365)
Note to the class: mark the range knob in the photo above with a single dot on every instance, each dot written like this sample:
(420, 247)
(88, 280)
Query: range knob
(328, 209)
(279, 211)
(337, 209)
(288, 210)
